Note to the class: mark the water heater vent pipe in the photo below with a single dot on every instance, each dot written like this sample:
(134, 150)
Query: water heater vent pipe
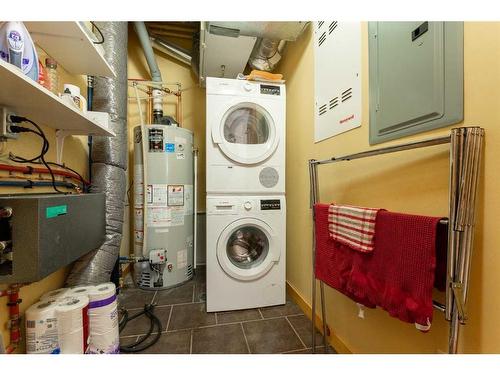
(142, 33)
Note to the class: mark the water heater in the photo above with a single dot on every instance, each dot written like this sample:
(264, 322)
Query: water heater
(163, 205)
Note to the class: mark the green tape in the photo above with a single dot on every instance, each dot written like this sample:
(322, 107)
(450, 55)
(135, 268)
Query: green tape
(55, 211)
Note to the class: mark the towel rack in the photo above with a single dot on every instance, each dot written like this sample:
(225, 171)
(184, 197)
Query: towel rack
(466, 144)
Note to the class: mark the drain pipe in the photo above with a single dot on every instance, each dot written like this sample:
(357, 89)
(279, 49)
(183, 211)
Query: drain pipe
(142, 33)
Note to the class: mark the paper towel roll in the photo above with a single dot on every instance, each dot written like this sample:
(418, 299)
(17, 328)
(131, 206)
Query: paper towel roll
(55, 294)
(103, 320)
(41, 328)
(72, 324)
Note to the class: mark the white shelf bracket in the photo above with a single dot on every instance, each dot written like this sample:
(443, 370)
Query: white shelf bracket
(60, 137)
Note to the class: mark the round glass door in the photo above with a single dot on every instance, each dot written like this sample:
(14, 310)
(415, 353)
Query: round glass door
(246, 126)
(246, 249)
(247, 133)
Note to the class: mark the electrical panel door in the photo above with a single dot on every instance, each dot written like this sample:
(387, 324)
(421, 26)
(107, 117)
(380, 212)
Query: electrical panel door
(416, 77)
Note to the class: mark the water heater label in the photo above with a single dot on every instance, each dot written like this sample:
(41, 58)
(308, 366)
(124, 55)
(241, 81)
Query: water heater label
(175, 195)
(169, 147)
(157, 195)
(188, 195)
(155, 140)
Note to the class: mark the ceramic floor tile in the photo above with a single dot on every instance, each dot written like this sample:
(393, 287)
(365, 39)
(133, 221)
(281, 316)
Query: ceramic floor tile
(179, 294)
(237, 316)
(141, 324)
(190, 316)
(303, 327)
(170, 343)
(271, 336)
(133, 298)
(226, 339)
(290, 308)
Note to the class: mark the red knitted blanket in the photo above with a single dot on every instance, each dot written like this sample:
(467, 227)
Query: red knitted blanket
(397, 276)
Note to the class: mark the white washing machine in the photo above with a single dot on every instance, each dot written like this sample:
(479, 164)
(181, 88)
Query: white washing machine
(246, 256)
(245, 137)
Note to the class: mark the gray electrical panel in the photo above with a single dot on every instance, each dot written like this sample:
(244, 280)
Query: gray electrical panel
(40, 234)
(416, 77)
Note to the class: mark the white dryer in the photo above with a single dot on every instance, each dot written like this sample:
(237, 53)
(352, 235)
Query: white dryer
(245, 137)
(246, 257)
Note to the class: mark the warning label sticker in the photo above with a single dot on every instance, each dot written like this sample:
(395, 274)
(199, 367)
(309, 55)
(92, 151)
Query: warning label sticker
(175, 195)
(157, 195)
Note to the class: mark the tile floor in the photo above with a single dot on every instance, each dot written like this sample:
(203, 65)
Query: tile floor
(188, 329)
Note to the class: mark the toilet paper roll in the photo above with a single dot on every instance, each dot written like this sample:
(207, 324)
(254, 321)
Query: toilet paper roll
(41, 328)
(103, 320)
(73, 324)
(82, 290)
(54, 295)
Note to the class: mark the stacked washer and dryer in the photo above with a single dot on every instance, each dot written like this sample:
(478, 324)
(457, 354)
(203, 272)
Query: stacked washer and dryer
(246, 223)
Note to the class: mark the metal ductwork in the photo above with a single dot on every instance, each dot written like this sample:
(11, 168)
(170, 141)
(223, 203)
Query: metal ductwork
(266, 54)
(109, 158)
(180, 54)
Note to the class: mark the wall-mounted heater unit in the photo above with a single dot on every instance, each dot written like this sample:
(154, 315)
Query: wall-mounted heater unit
(337, 77)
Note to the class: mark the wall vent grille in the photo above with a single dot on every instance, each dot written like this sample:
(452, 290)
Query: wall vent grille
(322, 39)
(322, 109)
(347, 94)
(332, 27)
(334, 102)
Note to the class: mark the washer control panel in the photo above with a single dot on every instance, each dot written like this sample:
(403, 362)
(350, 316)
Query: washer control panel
(245, 205)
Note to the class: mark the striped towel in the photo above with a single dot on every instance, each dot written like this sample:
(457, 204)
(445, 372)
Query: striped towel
(353, 226)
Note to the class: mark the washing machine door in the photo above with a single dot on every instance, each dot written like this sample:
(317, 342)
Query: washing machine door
(247, 249)
(247, 133)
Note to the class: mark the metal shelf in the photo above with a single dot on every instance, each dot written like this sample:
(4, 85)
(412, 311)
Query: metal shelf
(71, 45)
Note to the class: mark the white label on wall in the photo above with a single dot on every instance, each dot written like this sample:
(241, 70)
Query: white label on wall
(175, 195)
(181, 156)
(182, 259)
(337, 78)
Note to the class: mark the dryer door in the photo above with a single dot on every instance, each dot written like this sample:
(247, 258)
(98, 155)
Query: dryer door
(247, 249)
(247, 133)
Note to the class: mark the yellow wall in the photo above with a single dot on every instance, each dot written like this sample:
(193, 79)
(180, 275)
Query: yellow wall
(75, 156)
(413, 181)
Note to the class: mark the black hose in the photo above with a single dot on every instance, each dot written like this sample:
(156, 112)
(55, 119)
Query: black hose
(154, 321)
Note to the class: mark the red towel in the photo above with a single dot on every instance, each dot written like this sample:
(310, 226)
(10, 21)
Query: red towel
(353, 226)
(397, 276)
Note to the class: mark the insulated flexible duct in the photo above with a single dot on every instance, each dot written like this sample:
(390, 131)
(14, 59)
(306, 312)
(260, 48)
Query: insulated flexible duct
(266, 54)
(109, 158)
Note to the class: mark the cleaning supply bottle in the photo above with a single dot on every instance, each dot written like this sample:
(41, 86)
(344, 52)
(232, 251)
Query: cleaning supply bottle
(52, 78)
(17, 48)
